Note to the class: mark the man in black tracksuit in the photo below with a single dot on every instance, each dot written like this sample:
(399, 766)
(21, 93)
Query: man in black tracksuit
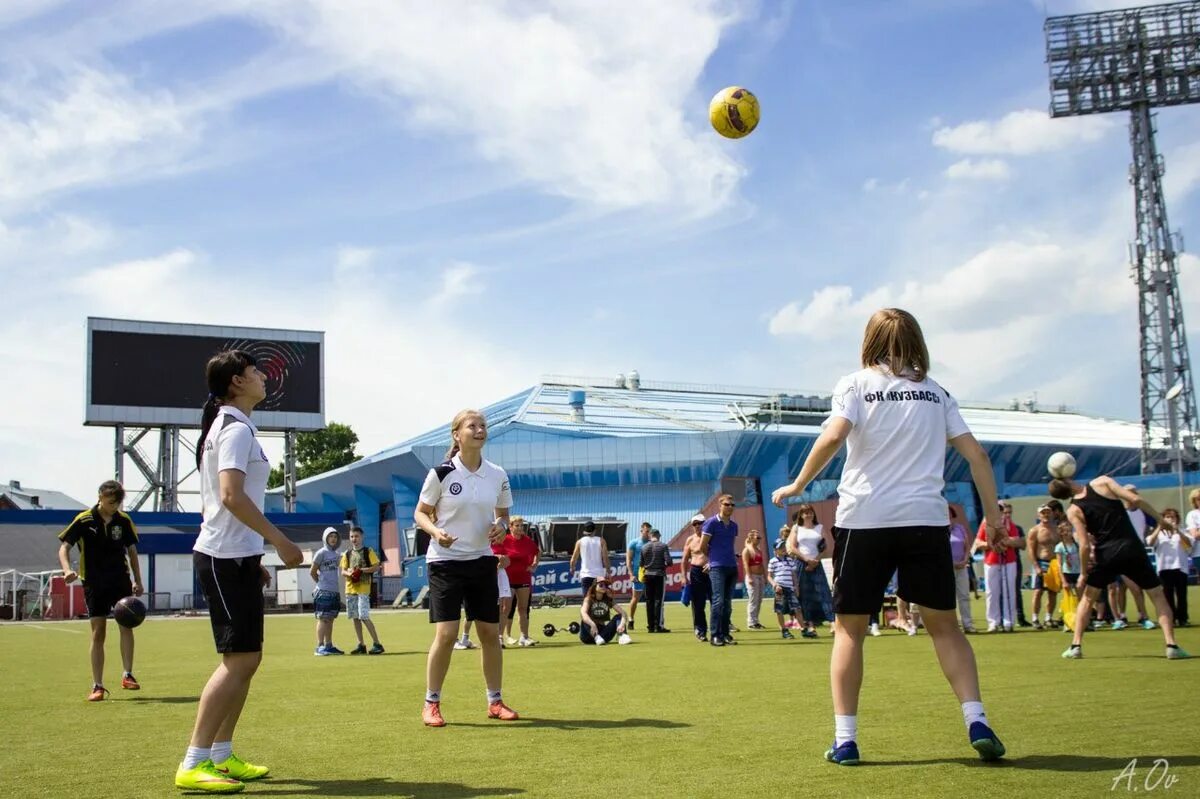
(656, 558)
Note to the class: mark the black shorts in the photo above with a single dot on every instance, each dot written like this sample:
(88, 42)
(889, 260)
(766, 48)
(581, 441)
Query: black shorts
(454, 583)
(864, 560)
(100, 595)
(1126, 558)
(234, 590)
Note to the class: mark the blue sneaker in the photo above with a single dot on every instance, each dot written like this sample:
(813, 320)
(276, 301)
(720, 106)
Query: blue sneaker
(321, 651)
(985, 742)
(330, 649)
(1119, 624)
(846, 754)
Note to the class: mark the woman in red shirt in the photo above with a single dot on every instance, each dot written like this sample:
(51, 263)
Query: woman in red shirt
(522, 552)
(1000, 572)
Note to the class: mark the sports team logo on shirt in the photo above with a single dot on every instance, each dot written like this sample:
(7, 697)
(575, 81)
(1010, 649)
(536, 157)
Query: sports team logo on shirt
(115, 533)
(456, 488)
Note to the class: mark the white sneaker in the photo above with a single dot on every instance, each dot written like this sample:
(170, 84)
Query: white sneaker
(526, 642)
(464, 643)
(875, 630)
(991, 628)
(912, 629)
(502, 646)
(599, 641)
(624, 639)
(512, 641)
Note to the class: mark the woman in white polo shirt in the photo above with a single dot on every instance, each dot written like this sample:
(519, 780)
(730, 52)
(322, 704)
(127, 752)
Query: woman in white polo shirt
(470, 499)
(891, 515)
(227, 559)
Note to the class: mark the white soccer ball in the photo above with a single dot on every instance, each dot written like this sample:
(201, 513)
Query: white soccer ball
(1061, 465)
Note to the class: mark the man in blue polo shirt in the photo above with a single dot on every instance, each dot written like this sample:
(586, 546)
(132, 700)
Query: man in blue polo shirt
(633, 565)
(718, 536)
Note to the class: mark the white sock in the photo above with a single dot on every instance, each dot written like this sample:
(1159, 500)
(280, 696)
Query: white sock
(973, 712)
(433, 696)
(493, 696)
(221, 750)
(195, 756)
(845, 728)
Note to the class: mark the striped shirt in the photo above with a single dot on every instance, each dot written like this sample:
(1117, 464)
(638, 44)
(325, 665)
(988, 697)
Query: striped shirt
(782, 571)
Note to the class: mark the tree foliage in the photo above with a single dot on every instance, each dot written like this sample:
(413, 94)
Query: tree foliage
(320, 451)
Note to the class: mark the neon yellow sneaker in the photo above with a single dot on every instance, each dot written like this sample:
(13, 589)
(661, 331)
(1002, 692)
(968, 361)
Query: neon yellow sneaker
(241, 770)
(205, 777)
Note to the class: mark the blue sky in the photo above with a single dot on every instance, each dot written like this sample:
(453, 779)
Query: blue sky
(468, 195)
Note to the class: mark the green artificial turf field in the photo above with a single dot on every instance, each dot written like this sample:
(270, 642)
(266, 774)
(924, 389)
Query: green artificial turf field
(666, 716)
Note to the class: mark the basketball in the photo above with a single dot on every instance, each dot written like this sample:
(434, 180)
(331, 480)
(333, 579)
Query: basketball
(129, 612)
(734, 112)
(1061, 465)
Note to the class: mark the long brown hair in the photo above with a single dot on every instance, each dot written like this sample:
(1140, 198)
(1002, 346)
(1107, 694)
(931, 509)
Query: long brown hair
(591, 592)
(459, 418)
(894, 338)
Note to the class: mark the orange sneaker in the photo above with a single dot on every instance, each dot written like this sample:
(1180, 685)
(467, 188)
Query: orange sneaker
(432, 715)
(98, 693)
(499, 710)
(130, 683)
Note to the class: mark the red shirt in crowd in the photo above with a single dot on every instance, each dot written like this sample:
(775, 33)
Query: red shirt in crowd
(991, 558)
(521, 553)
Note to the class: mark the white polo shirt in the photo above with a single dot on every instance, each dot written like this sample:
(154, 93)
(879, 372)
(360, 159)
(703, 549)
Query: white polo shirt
(896, 451)
(230, 444)
(466, 504)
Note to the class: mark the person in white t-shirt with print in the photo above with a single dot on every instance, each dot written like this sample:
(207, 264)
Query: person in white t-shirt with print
(891, 515)
(227, 559)
(470, 499)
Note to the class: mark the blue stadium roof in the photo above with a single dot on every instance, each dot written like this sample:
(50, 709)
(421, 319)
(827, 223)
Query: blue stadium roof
(577, 432)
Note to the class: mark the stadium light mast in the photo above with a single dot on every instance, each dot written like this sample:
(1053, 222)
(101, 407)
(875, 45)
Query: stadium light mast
(1135, 60)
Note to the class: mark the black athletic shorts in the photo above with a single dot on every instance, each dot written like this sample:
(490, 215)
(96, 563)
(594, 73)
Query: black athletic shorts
(100, 595)
(454, 583)
(864, 560)
(1124, 557)
(234, 590)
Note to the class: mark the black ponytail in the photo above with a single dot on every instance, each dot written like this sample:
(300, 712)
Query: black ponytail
(219, 373)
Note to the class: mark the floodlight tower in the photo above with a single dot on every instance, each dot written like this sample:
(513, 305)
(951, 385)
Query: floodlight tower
(1134, 60)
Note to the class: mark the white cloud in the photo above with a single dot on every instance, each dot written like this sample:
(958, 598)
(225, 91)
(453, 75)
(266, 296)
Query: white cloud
(146, 286)
(1009, 301)
(983, 169)
(1021, 133)
(87, 127)
(459, 280)
(572, 97)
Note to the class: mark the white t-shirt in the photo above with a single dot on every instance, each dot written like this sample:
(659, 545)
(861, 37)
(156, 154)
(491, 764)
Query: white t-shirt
(1171, 553)
(896, 451)
(1192, 523)
(230, 444)
(590, 562)
(327, 562)
(808, 539)
(466, 504)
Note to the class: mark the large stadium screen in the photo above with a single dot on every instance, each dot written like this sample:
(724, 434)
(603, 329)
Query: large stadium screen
(152, 374)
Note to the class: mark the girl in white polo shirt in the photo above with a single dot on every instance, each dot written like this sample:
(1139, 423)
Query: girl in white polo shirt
(891, 515)
(470, 499)
(228, 565)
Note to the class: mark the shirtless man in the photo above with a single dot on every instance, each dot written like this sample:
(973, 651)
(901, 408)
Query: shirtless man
(1039, 546)
(694, 567)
